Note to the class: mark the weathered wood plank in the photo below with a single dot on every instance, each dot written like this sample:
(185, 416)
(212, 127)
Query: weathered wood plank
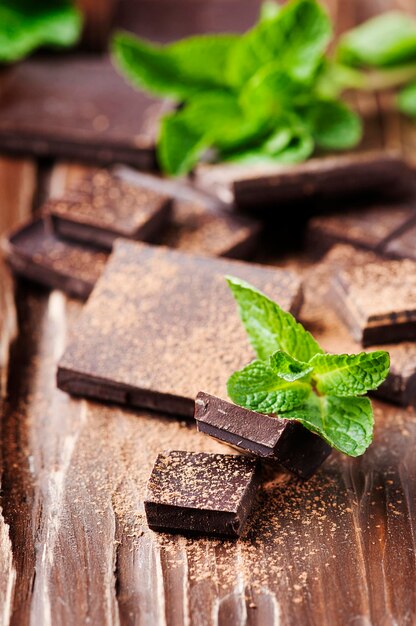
(17, 184)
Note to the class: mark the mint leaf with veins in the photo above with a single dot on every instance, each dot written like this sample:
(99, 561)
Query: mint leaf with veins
(288, 368)
(269, 327)
(349, 374)
(257, 387)
(345, 423)
(295, 379)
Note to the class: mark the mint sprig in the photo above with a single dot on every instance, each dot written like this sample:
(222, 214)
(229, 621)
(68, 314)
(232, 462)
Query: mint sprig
(294, 378)
(251, 98)
(26, 25)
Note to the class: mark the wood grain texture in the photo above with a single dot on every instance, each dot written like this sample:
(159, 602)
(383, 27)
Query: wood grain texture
(17, 184)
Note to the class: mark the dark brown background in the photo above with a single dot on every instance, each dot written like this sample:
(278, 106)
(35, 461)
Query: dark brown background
(74, 546)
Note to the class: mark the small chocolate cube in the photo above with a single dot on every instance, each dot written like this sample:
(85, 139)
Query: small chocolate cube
(102, 207)
(285, 442)
(199, 493)
(377, 301)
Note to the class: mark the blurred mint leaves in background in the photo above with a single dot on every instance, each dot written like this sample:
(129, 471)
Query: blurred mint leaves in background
(294, 378)
(273, 93)
(26, 25)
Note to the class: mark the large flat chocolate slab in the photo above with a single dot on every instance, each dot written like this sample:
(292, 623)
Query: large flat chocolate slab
(34, 252)
(251, 186)
(161, 324)
(269, 437)
(78, 108)
(377, 301)
(102, 207)
(199, 493)
(370, 227)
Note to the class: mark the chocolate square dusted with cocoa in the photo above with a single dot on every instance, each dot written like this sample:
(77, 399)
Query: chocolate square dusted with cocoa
(368, 227)
(77, 107)
(202, 230)
(34, 252)
(400, 384)
(377, 301)
(285, 442)
(199, 493)
(161, 323)
(102, 207)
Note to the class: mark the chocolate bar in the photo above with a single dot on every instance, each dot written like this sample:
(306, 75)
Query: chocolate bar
(335, 175)
(377, 301)
(77, 108)
(34, 252)
(369, 227)
(286, 442)
(161, 323)
(102, 207)
(199, 493)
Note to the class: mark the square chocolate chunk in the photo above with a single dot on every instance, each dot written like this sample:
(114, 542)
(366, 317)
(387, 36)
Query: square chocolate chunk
(34, 252)
(77, 107)
(161, 323)
(367, 227)
(102, 207)
(199, 493)
(377, 301)
(284, 441)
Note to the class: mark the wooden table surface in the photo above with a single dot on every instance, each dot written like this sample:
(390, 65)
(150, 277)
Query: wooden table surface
(74, 545)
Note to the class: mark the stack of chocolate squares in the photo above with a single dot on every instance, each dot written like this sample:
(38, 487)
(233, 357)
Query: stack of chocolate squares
(68, 247)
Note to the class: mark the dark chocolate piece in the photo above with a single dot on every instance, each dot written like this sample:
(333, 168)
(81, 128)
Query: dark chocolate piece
(197, 229)
(368, 227)
(78, 108)
(254, 186)
(284, 441)
(34, 252)
(377, 301)
(102, 207)
(403, 245)
(161, 323)
(400, 385)
(199, 493)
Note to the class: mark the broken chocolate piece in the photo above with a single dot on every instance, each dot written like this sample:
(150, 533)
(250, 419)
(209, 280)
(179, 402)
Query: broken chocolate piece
(286, 442)
(78, 108)
(102, 207)
(198, 229)
(369, 227)
(173, 327)
(377, 301)
(199, 493)
(254, 186)
(34, 252)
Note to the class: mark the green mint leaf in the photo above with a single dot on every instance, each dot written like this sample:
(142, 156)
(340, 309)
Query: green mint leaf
(288, 368)
(257, 387)
(349, 374)
(345, 423)
(269, 327)
(406, 100)
(296, 36)
(179, 147)
(177, 70)
(386, 40)
(270, 92)
(269, 10)
(333, 125)
(26, 25)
